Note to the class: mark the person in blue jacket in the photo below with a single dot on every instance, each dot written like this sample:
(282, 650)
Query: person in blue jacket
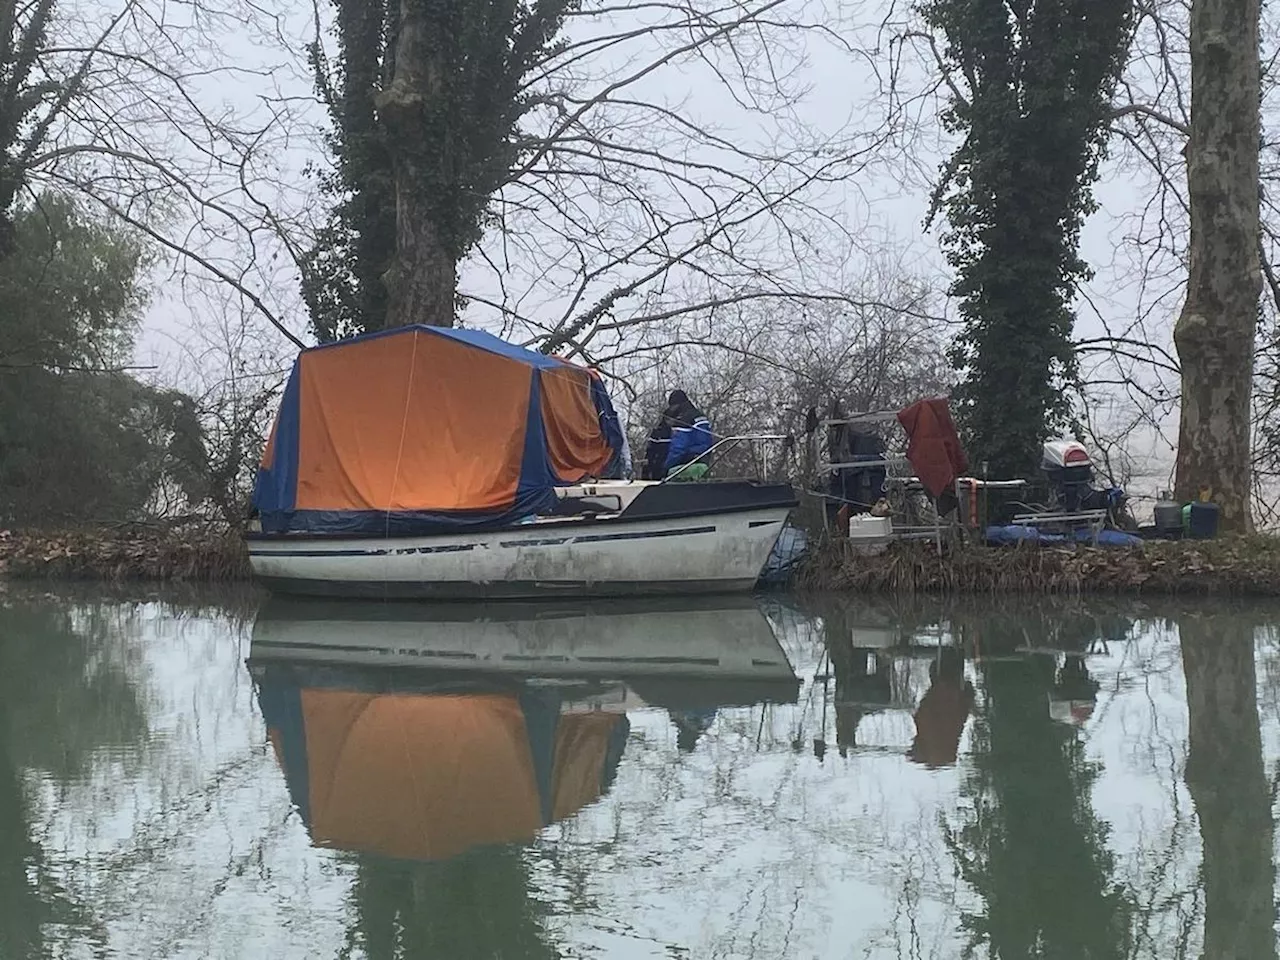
(681, 435)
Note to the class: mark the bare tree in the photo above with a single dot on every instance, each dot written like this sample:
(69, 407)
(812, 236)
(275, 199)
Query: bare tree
(1215, 331)
(663, 166)
(755, 369)
(139, 109)
(231, 367)
(1151, 124)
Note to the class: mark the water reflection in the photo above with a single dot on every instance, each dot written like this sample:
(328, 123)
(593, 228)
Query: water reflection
(1225, 774)
(426, 774)
(64, 695)
(1032, 847)
(1041, 779)
(519, 721)
(428, 771)
(690, 639)
(943, 711)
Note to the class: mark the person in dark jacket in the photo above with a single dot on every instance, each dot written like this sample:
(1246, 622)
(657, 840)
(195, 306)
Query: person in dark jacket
(681, 435)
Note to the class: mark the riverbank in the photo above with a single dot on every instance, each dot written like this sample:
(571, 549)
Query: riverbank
(1228, 567)
(1241, 566)
(126, 554)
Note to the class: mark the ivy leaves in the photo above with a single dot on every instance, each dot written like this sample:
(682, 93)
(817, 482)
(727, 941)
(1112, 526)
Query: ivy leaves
(1032, 86)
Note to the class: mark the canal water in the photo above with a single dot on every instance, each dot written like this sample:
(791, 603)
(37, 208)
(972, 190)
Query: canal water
(205, 776)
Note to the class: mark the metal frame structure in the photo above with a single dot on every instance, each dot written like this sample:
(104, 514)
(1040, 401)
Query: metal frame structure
(728, 442)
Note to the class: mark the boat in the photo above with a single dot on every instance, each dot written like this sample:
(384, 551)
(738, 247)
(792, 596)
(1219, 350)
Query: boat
(444, 752)
(724, 639)
(430, 462)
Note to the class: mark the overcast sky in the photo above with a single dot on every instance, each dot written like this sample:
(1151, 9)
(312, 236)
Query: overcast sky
(882, 208)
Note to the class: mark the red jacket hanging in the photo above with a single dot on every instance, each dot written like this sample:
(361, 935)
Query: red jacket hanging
(933, 447)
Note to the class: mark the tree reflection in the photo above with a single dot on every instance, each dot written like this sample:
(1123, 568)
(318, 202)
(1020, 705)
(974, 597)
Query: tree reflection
(60, 700)
(1229, 786)
(1033, 849)
(476, 905)
(66, 693)
(23, 908)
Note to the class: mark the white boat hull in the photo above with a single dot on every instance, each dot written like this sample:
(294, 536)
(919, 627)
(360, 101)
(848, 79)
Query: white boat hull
(604, 557)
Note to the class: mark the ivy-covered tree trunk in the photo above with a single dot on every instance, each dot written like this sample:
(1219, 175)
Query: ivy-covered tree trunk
(1031, 86)
(1215, 333)
(426, 97)
(342, 273)
(422, 279)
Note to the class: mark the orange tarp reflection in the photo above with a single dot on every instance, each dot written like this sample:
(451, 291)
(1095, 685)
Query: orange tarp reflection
(410, 422)
(582, 742)
(576, 445)
(419, 777)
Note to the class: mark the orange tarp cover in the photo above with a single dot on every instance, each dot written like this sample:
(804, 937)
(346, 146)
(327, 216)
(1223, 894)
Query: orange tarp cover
(422, 428)
(576, 445)
(269, 451)
(410, 422)
(418, 777)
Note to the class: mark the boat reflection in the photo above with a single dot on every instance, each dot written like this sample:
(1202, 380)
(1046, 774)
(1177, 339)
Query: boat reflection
(519, 721)
(698, 637)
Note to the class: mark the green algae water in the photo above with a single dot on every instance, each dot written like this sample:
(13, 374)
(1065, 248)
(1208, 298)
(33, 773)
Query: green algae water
(213, 776)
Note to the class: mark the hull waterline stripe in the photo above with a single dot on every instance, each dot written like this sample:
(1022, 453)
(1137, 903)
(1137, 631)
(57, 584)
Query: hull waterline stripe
(463, 547)
(599, 537)
(374, 552)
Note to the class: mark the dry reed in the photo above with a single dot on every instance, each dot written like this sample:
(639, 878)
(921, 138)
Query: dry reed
(205, 555)
(1238, 566)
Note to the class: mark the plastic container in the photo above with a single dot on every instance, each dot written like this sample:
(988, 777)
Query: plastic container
(1202, 523)
(1167, 516)
(867, 526)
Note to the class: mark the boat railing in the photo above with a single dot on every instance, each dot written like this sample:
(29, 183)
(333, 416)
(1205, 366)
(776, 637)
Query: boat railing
(723, 445)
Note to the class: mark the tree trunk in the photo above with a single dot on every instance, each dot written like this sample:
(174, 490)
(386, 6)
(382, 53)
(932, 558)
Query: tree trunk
(422, 280)
(1215, 332)
(1229, 787)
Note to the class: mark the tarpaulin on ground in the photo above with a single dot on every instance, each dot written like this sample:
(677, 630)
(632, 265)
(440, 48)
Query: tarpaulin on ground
(429, 776)
(422, 428)
(1020, 533)
(933, 447)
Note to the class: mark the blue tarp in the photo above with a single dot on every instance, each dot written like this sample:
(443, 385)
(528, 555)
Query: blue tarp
(789, 549)
(1022, 534)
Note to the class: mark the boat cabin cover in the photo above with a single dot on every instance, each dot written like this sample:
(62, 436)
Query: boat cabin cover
(423, 429)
